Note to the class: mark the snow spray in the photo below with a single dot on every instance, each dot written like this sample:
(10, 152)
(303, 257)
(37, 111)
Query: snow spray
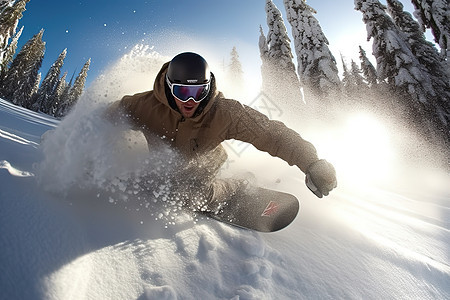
(87, 152)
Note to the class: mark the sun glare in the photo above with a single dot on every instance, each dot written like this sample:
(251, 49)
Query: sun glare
(361, 150)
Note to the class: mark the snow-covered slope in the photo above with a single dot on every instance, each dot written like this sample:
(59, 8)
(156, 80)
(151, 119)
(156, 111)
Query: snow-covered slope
(71, 227)
(373, 245)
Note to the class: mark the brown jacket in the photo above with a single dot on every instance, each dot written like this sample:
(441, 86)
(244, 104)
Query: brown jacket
(219, 119)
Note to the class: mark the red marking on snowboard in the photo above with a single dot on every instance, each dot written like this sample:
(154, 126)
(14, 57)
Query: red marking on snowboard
(271, 209)
(258, 209)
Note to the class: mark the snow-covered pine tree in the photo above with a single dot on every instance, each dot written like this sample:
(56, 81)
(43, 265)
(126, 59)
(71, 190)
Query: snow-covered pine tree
(64, 98)
(317, 67)
(9, 54)
(411, 88)
(5, 3)
(265, 62)
(369, 71)
(279, 79)
(20, 79)
(352, 80)
(36, 85)
(9, 19)
(347, 80)
(356, 74)
(55, 99)
(75, 91)
(395, 60)
(80, 81)
(429, 58)
(435, 14)
(277, 37)
(375, 94)
(235, 66)
(235, 75)
(41, 101)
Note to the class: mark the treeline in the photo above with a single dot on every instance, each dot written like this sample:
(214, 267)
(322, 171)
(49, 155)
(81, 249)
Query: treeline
(20, 80)
(411, 79)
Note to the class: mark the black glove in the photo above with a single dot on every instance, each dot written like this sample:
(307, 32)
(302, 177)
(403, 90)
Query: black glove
(321, 178)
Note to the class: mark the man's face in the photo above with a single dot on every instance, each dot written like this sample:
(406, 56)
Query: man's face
(187, 109)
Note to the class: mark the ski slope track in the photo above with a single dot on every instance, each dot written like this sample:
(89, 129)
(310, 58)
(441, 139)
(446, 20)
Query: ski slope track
(73, 226)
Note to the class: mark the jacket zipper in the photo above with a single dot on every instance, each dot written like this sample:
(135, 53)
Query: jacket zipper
(177, 128)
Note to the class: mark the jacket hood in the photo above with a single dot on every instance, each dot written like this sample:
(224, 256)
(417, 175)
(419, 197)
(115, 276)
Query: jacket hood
(162, 93)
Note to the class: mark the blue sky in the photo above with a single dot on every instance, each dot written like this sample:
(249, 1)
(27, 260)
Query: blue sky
(105, 30)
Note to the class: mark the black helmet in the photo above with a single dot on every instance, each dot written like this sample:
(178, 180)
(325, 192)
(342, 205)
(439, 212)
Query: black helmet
(188, 68)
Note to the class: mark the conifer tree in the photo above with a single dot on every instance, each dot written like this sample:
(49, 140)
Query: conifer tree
(264, 54)
(356, 74)
(410, 86)
(42, 99)
(435, 14)
(316, 65)
(395, 60)
(5, 3)
(353, 82)
(9, 19)
(346, 77)
(279, 79)
(57, 96)
(75, 91)
(20, 79)
(277, 37)
(62, 104)
(369, 71)
(9, 54)
(235, 73)
(363, 93)
(235, 65)
(428, 57)
(266, 65)
(36, 85)
(80, 81)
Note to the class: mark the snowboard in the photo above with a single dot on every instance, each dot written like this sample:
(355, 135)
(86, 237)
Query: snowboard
(258, 209)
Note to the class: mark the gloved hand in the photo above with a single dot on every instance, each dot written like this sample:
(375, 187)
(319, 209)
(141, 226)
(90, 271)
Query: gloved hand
(321, 178)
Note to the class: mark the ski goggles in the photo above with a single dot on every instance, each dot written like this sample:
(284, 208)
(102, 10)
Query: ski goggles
(186, 92)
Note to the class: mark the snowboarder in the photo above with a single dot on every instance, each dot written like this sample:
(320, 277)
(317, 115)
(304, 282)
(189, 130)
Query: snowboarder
(186, 110)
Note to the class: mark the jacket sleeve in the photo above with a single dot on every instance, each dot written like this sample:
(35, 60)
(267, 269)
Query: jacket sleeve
(251, 126)
(113, 113)
(125, 110)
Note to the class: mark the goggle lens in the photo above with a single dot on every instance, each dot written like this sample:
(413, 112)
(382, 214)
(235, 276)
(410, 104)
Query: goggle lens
(186, 92)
